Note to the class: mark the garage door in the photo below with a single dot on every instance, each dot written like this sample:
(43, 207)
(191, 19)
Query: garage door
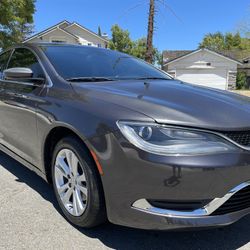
(205, 77)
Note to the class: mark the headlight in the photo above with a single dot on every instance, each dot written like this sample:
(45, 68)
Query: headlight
(163, 140)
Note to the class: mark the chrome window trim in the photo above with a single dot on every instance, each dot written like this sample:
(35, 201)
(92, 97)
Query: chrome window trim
(21, 83)
(144, 206)
(11, 53)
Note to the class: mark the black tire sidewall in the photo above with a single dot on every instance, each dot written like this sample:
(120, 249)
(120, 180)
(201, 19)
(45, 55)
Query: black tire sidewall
(87, 219)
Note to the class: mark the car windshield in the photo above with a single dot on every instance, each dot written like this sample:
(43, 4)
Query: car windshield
(80, 63)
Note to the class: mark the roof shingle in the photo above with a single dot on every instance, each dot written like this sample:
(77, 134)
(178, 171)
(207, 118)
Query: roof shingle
(238, 55)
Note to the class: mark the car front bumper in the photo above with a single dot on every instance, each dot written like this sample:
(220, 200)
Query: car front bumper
(132, 176)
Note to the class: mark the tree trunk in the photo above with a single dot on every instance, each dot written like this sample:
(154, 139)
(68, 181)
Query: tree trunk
(149, 52)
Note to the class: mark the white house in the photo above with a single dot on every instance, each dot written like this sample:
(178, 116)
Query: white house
(73, 33)
(202, 67)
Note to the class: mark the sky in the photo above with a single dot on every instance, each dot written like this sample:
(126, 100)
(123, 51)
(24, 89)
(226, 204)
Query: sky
(180, 24)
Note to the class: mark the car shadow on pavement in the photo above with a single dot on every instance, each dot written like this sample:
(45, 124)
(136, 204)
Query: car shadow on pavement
(117, 237)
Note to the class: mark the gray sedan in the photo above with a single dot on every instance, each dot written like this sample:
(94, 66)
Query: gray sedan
(121, 140)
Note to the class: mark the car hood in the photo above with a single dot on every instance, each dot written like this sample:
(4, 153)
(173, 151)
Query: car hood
(175, 102)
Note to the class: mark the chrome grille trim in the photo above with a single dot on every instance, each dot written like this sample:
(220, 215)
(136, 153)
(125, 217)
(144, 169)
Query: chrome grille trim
(144, 206)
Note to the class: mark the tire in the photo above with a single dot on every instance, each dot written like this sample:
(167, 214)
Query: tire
(83, 213)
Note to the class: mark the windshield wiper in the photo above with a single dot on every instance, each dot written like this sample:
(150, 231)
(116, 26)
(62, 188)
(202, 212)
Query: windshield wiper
(89, 79)
(152, 78)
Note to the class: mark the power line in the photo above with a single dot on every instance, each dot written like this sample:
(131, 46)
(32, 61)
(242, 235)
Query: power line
(163, 2)
(133, 7)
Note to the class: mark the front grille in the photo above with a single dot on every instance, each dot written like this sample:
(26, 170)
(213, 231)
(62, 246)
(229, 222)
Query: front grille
(239, 201)
(240, 137)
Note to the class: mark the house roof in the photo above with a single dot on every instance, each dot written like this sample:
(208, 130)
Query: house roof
(246, 63)
(170, 55)
(173, 56)
(237, 54)
(57, 26)
(88, 30)
(247, 58)
(62, 30)
(47, 30)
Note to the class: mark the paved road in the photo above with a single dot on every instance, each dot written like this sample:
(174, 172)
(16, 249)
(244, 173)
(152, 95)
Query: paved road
(29, 219)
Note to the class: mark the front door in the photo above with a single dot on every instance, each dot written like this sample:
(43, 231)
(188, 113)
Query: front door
(18, 110)
(4, 58)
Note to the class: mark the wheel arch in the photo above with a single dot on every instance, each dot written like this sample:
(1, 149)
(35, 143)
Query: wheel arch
(52, 138)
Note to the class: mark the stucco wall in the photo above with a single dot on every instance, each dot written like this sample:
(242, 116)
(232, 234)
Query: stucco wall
(55, 34)
(211, 65)
(200, 59)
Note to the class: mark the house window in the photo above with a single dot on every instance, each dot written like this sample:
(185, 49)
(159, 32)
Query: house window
(89, 44)
(58, 40)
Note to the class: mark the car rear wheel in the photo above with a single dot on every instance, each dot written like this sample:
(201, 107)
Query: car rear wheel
(77, 185)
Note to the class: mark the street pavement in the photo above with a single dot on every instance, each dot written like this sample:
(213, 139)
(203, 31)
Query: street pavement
(30, 219)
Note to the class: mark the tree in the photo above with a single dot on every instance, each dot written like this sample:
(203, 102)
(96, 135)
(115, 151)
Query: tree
(229, 41)
(245, 44)
(232, 41)
(120, 40)
(149, 51)
(241, 80)
(213, 41)
(16, 21)
(139, 49)
(99, 31)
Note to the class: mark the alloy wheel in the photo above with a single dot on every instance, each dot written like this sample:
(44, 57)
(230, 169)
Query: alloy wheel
(71, 183)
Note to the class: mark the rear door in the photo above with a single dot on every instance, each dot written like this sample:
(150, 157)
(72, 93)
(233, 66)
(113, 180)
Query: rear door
(18, 112)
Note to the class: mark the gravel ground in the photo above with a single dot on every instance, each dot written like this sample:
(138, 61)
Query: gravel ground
(29, 219)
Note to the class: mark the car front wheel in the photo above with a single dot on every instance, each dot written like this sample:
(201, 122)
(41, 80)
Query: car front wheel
(76, 184)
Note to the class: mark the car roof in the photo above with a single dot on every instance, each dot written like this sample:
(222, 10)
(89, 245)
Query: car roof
(46, 44)
(40, 45)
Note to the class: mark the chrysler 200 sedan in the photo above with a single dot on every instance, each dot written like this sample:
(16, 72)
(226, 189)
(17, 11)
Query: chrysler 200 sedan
(121, 140)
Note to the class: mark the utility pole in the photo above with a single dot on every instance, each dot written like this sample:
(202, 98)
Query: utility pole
(149, 52)
(99, 31)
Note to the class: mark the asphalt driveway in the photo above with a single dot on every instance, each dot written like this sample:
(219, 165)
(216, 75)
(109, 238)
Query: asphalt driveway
(29, 219)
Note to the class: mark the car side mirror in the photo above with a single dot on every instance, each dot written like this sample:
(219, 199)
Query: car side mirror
(22, 75)
(17, 73)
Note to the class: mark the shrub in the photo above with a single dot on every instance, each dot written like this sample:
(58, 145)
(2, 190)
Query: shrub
(241, 80)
